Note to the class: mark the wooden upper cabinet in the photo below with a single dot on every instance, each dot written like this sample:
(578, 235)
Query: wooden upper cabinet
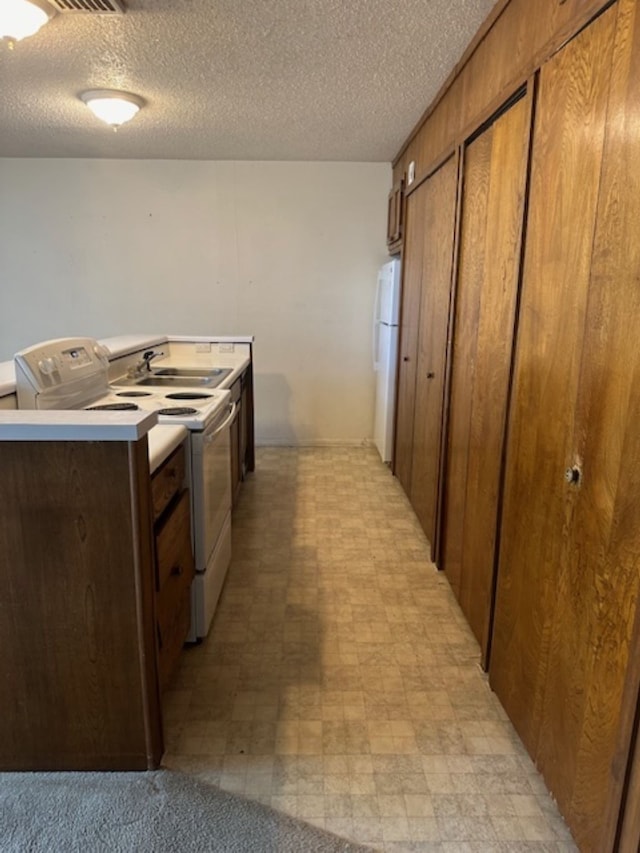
(493, 199)
(395, 222)
(439, 195)
(568, 578)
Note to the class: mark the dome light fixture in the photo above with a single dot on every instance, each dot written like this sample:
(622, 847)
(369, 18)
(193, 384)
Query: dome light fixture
(22, 18)
(113, 107)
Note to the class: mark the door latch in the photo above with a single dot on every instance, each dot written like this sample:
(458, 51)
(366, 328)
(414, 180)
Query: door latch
(573, 475)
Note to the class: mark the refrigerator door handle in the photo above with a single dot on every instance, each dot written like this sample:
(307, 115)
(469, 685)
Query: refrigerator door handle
(375, 332)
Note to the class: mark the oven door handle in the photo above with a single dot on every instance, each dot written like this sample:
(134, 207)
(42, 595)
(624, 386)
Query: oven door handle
(227, 421)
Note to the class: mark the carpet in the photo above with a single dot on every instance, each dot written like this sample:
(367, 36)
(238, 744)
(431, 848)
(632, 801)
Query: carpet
(161, 812)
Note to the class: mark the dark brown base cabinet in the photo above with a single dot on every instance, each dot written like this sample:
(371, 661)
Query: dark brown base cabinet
(174, 565)
(80, 688)
(96, 565)
(524, 466)
(242, 432)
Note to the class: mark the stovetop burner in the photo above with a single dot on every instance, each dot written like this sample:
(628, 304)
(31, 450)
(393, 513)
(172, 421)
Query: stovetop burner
(177, 411)
(133, 394)
(113, 407)
(187, 395)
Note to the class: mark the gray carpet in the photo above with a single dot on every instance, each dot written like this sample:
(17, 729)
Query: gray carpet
(162, 811)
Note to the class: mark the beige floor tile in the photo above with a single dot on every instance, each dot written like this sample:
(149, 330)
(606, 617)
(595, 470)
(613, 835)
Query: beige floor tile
(340, 681)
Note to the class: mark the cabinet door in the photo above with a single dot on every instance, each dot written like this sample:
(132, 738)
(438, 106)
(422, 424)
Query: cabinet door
(439, 214)
(495, 171)
(411, 289)
(175, 573)
(394, 217)
(570, 554)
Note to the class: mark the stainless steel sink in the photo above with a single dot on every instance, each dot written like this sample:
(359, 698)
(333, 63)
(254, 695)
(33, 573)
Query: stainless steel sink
(184, 380)
(191, 371)
(178, 382)
(180, 377)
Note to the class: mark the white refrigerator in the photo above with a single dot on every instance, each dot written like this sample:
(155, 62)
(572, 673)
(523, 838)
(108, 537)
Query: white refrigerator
(385, 355)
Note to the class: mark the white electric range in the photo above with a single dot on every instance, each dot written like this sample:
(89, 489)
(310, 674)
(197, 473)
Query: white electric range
(72, 373)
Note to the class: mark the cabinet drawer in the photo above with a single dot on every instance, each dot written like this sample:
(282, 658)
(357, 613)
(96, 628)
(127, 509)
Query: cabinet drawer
(167, 481)
(174, 557)
(171, 637)
(174, 575)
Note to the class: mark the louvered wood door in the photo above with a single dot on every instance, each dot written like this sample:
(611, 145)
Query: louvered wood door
(408, 347)
(570, 555)
(493, 197)
(439, 217)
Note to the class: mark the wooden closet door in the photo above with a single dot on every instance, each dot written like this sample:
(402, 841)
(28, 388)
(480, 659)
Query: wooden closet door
(408, 348)
(493, 196)
(570, 556)
(439, 217)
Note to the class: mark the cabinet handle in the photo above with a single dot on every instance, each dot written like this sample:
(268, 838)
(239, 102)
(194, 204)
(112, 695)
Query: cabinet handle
(405, 358)
(176, 571)
(430, 375)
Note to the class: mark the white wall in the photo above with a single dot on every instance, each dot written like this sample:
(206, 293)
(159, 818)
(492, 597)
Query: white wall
(285, 251)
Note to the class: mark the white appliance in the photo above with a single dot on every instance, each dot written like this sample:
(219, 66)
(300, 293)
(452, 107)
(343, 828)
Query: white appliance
(386, 319)
(72, 373)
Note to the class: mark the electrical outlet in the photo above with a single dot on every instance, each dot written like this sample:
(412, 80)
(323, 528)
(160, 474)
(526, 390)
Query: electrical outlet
(226, 348)
(203, 347)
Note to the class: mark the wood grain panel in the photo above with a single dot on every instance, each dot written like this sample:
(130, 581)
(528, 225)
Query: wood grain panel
(408, 345)
(476, 171)
(520, 38)
(440, 196)
(494, 342)
(630, 824)
(487, 287)
(141, 504)
(600, 579)
(167, 481)
(175, 572)
(569, 129)
(574, 595)
(76, 680)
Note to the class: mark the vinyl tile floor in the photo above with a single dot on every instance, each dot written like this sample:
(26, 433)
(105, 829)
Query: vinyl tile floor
(340, 682)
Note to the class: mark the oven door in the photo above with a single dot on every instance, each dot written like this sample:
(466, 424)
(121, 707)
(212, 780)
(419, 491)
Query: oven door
(211, 482)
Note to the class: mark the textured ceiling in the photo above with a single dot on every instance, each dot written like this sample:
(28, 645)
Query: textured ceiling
(235, 79)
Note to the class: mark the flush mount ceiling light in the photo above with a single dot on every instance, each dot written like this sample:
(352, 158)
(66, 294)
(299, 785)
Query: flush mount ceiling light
(22, 18)
(113, 107)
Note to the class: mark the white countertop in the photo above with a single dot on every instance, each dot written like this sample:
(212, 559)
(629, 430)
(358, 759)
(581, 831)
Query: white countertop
(122, 345)
(74, 425)
(125, 344)
(163, 440)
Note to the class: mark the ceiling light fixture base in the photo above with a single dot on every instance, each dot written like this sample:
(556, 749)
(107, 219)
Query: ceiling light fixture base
(22, 18)
(112, 106)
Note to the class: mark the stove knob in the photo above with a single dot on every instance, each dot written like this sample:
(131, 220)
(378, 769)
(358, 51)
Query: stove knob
(102, 352)
(48, 366)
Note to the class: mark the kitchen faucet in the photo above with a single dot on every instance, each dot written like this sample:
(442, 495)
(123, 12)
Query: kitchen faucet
(148, 356)
(144, 364)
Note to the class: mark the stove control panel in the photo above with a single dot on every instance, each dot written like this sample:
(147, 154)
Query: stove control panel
(75, 357)
(51, 374)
